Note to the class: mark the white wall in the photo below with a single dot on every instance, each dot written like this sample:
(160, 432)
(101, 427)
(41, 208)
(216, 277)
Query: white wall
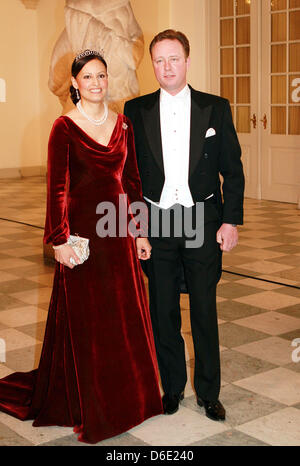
(50, 24)
(30, 108)
(152, 17)
(188, 16)
(19, 115)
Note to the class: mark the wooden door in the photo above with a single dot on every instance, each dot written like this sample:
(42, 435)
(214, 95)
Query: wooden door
(280, 138)
(255, 64)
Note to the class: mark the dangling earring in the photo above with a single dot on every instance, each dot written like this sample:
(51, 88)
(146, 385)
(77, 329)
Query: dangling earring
(77, 94)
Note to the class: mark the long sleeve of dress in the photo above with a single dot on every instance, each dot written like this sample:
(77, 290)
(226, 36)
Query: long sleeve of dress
(56, 224)
(132, 183)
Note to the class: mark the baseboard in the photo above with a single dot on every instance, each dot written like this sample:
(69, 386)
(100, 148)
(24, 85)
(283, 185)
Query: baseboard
(23, 172)
(33, 171)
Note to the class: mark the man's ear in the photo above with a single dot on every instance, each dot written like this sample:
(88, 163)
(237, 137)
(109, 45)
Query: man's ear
(188, 62)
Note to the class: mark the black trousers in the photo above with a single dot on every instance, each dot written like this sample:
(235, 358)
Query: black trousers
(202, 271)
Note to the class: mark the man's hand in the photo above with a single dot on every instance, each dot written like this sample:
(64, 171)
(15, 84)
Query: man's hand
(143, 248)
(227, 237)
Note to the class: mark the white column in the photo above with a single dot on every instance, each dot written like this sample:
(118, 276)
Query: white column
(191, 18)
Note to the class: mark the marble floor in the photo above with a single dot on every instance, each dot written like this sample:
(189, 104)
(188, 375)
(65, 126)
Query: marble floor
(259, 324)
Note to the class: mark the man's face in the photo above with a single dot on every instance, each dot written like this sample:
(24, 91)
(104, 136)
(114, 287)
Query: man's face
(170, 65)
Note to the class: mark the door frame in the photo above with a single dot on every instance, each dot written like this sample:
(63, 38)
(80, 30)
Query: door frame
(251, 150)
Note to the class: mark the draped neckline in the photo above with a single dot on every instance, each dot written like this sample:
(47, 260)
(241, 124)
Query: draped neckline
(87, 136)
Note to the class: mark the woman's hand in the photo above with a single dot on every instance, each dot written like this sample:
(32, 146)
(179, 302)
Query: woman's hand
(143, 248)
(64, 254)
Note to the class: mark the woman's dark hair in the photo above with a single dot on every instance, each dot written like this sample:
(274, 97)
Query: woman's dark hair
(77, 65)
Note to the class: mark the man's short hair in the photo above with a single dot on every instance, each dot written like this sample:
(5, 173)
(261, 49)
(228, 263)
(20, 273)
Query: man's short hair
(171, 34)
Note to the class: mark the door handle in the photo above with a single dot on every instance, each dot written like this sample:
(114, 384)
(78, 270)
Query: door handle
(265, 121)
(253, 119)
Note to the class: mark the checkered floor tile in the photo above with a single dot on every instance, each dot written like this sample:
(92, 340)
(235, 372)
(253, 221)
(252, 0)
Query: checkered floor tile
(259, 327)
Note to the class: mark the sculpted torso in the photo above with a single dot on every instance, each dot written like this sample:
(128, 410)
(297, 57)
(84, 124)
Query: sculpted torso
(107, 25)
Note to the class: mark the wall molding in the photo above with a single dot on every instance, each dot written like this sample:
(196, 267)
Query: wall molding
(30, 4)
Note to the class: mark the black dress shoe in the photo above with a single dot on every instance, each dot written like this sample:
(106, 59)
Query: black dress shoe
(214, 409)
(171, 403)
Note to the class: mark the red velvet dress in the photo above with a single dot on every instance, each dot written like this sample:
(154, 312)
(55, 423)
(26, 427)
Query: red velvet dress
(97, 371)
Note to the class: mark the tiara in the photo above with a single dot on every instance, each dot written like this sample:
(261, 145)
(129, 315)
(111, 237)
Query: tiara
(88, 52)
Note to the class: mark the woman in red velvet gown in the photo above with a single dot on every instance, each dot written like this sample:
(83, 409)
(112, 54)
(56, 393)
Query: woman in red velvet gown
(97, 371)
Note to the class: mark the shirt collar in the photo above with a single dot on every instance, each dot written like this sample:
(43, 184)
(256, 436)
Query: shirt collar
(183, 94)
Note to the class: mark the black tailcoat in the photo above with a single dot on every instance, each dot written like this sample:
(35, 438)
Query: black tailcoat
(214, 168)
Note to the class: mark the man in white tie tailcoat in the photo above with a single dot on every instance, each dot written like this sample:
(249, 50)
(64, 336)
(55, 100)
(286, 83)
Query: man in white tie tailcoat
(185, 139)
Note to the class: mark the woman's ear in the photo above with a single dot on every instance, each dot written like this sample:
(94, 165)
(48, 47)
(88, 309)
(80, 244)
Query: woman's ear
(74, 82)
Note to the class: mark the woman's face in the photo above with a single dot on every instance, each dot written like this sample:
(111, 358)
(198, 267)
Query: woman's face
(92, 81)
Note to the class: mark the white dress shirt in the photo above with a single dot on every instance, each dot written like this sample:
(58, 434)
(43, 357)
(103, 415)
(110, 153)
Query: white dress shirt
(175, 118)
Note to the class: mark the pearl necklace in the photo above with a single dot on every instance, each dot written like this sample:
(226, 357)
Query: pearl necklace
(95, 122)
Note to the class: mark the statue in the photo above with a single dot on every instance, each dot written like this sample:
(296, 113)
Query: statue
(102, 25)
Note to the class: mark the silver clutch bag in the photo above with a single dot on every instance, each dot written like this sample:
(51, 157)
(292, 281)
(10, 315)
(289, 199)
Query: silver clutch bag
(80, 246)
